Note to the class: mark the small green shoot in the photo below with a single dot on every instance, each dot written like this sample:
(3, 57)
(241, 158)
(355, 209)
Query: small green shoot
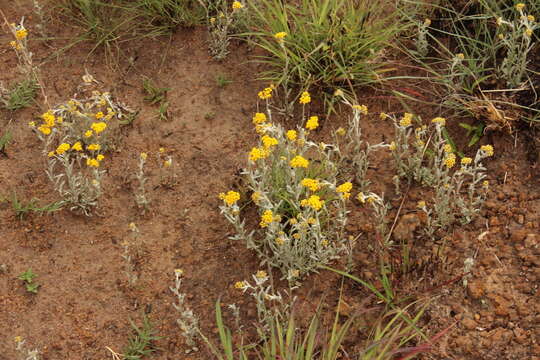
(154, 94)
(4, 141)
(209, 115)
(163, 111)
(140, 341)
(21, 95)
(28, 278)
(475, 132)
(21, 208)
(222, 80)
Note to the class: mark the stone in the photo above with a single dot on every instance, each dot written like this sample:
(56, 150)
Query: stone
(469, 323)
(475, 289)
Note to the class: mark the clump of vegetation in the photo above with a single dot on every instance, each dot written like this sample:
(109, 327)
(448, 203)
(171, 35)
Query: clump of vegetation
(22, 208)
(140, 341)
(28, 279)
(322, 45)
(75, 137)
(485, 66)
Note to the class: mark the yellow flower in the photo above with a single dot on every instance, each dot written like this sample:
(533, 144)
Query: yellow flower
(312, 123)
(62, 148)
(341, 132)
(485, 184)
(528, 32)
(305, 98)
(406, 120)
(100, 157)
(314, 202)
(21, 34)
(99, 115)
(92, 162)
(259, 118)
(460, 56)
(299, 161)
(15, 45)
(392, 146)
(265, 93)
(266, 218)
(237, 5)
(311, 184)
(18, 339)
(520, 6)
(77, 146)
(240, 285)
(296, 236)
(324, 242)
(383, 115)
(427, 22)
(161, 150)
(144, 156)
(447, 148)
(293, 221)
(450, 160)
(261, 274)
(421, 204)
(50, 154)
(345, 187)
(439, 120)
(94, 147)
(280, 241)
(339, 92)
(531, 18)
(256, 196)
(230, 198)
(44, 129)
(466, 161)
(98, 127)
(48, 118)
(167, 163)
(176, 271)
(291, 135)
(280, 35)
(257, 153)
(487, 149)
(361, 108)
(88, 133)
(269, 141)
(501, 36)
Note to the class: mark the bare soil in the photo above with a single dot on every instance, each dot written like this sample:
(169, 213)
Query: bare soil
(84, 302)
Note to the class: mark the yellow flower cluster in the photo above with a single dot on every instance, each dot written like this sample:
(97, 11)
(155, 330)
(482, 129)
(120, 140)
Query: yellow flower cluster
(77, 146)
(266, 93)
(92, 162)
(256, 196)
(406, 120)
(269, 141)
(345, 189)
(258, 153)
(466, 161)
(520, 6)
(439, 120)
(230, 198)
(240, 285)
(98, 127)
(312, 123)
(62, 148)
(299, 161)
(236, 5)
(311, 184)
(305, 98)
(261, 274)
(94, 147)
(291, 135)
(21, 34)
(392, 146)
(447, 148)
(361, 108)
(259, 118)
(421, 204)
(267, 218)
(314, 202)
(48, 122)
(280, 35)
(487, 149)
(450, 160)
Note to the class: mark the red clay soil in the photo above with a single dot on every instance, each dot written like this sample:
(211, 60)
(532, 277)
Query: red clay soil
(84, 302)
